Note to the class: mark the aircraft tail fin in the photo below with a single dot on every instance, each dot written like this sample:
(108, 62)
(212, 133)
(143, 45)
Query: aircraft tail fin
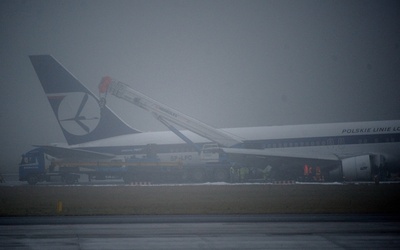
(75, 107)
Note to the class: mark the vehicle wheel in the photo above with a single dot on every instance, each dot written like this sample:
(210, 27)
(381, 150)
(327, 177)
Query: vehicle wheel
(186, 176)
(70, 179)
(32, 179)
(198, 175)
(128, 178)
(221, 175)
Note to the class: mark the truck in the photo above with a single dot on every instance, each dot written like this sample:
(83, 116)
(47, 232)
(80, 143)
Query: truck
(37, 166)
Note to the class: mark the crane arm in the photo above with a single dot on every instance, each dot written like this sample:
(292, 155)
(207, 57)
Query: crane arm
(163, 112)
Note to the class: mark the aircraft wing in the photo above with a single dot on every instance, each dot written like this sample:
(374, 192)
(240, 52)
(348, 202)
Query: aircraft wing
(280, 154)
(73, 154)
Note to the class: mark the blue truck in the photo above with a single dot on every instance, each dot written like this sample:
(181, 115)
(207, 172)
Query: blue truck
(36, 166)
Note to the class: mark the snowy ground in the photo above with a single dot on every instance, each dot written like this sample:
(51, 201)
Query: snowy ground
(12, 180)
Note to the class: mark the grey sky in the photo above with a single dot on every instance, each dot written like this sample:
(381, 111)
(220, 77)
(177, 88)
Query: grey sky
(226, 63)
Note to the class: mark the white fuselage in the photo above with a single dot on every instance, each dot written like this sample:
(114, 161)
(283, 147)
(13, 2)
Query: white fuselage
(339, 139)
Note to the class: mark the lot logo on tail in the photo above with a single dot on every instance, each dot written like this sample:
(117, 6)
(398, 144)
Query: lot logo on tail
(79, 113)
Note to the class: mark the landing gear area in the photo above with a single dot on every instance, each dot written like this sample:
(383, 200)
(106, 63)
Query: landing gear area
(283, 173)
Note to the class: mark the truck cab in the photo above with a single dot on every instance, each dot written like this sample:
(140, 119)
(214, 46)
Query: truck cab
(32, 166)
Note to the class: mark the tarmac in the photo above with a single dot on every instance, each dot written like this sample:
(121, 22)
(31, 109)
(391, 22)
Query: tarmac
(202, 232)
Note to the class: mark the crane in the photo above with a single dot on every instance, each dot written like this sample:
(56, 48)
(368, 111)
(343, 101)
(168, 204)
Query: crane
(165, 114)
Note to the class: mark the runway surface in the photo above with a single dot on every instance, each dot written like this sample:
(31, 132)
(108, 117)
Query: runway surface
(202, 232)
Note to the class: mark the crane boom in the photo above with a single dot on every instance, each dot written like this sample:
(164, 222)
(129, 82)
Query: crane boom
(164, 113)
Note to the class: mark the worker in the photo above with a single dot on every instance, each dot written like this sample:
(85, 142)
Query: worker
(376, 179)
(244, 171)
(305, 172)
(317, 174)
(310, 172)
(232, 174)
(266, 172)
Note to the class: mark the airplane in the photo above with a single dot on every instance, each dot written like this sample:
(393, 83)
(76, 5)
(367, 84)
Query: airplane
(349, 151)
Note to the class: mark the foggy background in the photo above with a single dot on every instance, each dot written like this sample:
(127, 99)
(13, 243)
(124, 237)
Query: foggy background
(226, 63)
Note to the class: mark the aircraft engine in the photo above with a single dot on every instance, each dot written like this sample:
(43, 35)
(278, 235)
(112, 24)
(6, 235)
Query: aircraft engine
(358, 168)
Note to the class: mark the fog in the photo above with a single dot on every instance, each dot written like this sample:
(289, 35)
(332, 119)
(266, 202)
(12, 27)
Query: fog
(226, 63)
